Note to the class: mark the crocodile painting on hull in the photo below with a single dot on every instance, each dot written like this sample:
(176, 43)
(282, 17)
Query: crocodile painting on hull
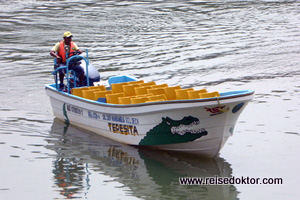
(171, 131)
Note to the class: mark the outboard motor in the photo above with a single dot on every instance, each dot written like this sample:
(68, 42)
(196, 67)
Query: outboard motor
(94, 75)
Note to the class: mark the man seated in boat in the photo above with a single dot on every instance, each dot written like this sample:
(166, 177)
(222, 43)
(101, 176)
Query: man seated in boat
(62, 51)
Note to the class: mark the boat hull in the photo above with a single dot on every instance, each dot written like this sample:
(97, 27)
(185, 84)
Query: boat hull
(199, 126)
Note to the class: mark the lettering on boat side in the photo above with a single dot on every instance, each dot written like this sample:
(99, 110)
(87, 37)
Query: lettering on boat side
(171, 131)
(93, 115)
(217, 110)
(123, 129)
(120, 119)
(74, 109)
(99, 116)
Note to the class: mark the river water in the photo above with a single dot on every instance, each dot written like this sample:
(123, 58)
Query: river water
(217, 45)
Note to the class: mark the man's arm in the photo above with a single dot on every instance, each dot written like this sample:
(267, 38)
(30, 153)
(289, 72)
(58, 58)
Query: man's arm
(54, 53)
(77, 48)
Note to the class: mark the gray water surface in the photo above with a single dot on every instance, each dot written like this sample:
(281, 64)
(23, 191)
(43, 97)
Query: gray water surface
(217, 45)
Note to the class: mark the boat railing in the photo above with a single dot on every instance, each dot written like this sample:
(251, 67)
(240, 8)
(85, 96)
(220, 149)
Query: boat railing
(69, 71)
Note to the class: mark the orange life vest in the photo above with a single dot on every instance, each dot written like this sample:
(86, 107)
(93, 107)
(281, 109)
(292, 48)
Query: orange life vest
(62, 51)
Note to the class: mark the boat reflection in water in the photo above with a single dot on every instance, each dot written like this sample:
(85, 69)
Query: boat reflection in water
(148, 173)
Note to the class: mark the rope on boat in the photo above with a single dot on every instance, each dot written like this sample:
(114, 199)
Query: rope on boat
(219, 105)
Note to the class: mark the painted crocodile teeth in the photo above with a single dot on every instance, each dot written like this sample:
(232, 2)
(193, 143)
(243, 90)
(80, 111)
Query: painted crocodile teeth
(191, 128)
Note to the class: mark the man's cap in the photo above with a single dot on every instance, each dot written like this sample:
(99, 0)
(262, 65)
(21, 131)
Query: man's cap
(68, 34)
